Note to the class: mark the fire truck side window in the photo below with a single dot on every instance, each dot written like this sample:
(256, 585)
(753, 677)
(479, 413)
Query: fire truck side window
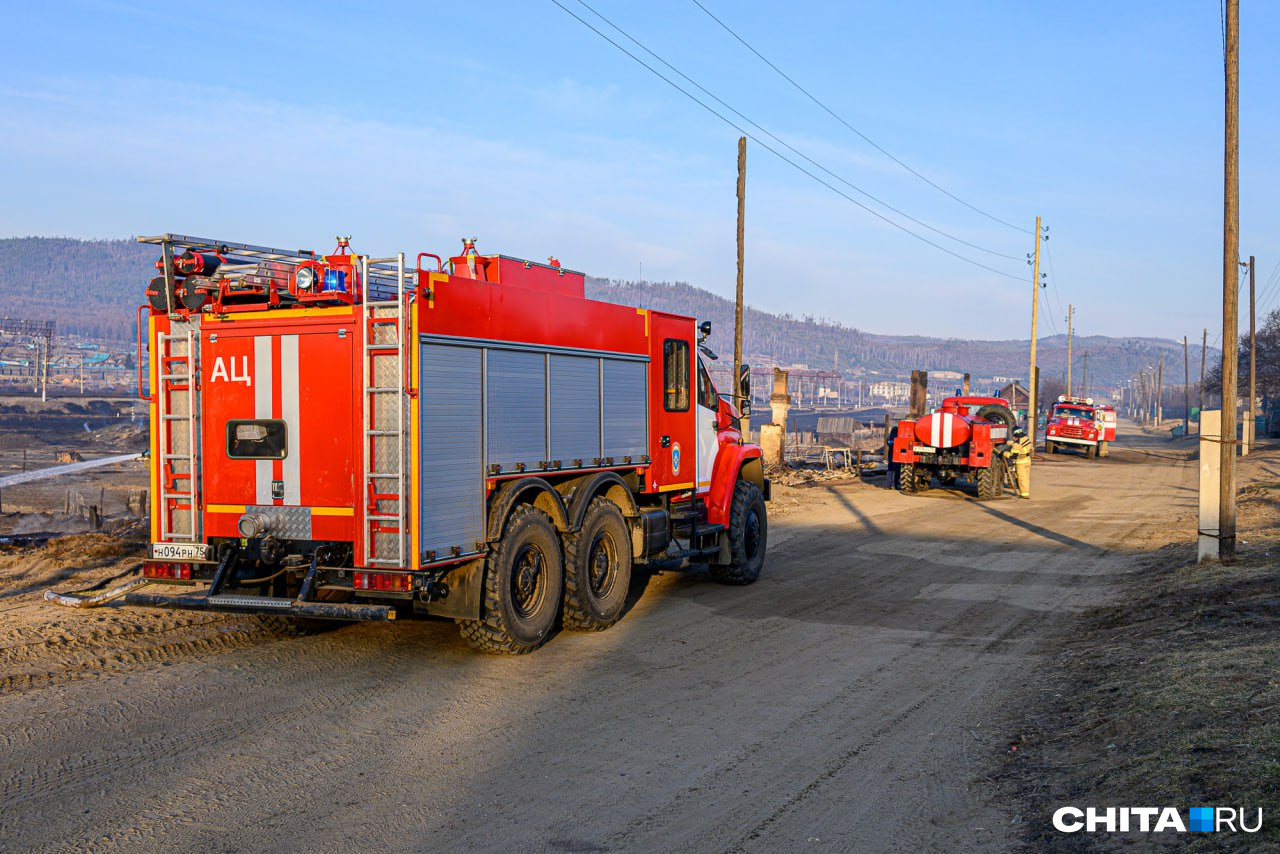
(706, 389)
(257, 440)
(675, 375)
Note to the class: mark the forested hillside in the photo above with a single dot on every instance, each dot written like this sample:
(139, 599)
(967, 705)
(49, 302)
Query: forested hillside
(822, 343)
(88, 287)
(92, 288)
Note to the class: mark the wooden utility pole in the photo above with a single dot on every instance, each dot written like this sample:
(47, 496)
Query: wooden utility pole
(1084, 384)
(1186, 389)
(1204, 345)
(1031, 374)
(1230, 288)
(1253, 364)
(1160, 393)
(1070, 314)
(919, 393)
(737, 314)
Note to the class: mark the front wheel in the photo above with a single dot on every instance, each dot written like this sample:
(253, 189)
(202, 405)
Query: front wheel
(1050, 447)
(748, 536)
(1090, 452)
(523, 581)
(597, 569)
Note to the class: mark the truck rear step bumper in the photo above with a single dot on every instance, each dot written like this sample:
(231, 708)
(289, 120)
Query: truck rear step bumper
(263, 605)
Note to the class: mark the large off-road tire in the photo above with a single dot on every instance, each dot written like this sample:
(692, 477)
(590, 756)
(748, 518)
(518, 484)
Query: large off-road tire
(523, 582)
(748, 537)
(996, 414)
(597, 569)
(907, 478)
(990, 480)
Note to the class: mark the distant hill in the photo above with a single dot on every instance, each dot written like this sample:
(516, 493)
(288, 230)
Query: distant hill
(88, 287)
(93, 287)
(821, 344)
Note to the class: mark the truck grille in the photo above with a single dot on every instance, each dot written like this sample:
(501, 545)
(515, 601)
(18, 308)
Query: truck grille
(1073, 432)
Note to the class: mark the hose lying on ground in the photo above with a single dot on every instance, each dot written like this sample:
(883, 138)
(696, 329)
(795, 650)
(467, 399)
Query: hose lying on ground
(80, 600)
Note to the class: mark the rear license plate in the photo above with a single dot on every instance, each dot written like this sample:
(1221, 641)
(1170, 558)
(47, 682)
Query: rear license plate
(925, 449)
(179, 551)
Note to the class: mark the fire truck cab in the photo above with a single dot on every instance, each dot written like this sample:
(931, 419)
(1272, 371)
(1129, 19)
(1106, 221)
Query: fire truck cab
(354, 438)
(1074, 422)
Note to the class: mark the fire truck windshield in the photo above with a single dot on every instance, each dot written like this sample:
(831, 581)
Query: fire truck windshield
(1073, 412)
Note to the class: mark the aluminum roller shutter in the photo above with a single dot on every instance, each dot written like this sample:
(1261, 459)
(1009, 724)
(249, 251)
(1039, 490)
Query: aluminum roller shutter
(575, 409)
(516, 409)
(625, 410)
(452, 501)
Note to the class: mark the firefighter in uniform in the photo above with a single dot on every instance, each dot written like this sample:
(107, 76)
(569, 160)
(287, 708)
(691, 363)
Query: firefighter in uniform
(1018, 452)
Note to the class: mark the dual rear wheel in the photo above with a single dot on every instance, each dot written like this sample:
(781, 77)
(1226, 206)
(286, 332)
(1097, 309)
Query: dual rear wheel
(535, 575)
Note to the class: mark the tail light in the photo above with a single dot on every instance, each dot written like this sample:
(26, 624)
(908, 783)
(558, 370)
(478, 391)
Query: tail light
(386, 582)
(176, 571)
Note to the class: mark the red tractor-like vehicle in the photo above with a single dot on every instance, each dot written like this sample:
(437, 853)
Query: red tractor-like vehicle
(961, 440)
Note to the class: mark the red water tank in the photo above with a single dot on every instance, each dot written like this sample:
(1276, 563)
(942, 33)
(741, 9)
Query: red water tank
(943, 430)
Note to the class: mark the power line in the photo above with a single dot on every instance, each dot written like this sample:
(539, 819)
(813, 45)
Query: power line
(778, 154)
(790, 147)
(866, 138)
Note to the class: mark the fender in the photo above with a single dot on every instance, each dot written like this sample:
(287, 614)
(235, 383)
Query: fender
(734, 462)
(605, 483)
(904, 443)
(525, 490)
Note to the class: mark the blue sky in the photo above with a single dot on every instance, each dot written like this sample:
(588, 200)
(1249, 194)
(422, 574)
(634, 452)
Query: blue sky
(415, 124)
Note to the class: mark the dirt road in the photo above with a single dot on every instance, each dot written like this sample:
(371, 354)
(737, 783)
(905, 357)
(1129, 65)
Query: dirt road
(848, 701)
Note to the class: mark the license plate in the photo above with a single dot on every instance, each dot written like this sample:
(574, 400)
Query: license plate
(925, 449)
(179, 551)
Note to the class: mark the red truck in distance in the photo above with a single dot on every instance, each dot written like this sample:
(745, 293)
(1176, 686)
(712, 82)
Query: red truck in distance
(1074, 422)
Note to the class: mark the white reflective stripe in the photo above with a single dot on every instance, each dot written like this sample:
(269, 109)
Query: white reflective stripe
(948, 421)
(289, 404)
(935, 429)
(262, 385)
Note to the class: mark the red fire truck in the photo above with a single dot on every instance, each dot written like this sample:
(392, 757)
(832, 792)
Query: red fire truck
(1075, 422)
(960, 439)
(354, 438)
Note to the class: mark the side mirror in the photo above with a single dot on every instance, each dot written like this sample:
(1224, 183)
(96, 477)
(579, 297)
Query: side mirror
(744, 390)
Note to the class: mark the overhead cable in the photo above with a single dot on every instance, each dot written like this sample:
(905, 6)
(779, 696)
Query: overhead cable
(842, 121)
(756, 139)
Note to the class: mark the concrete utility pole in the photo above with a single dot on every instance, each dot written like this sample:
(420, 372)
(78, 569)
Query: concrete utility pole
(1070, 313)
(1031, 373)
(744, 425)
(1253, 365)
(1160, 393)
(1186, 389)
(1230, 289)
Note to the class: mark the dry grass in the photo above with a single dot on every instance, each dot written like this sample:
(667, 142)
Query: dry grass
(1171, 698)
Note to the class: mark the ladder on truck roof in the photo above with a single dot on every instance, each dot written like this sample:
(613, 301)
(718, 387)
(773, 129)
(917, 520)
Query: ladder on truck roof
(178, 411)
(385, 412)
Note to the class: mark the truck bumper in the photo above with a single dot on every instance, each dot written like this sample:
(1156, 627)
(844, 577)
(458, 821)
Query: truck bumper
(201, 601)
(1067, 440)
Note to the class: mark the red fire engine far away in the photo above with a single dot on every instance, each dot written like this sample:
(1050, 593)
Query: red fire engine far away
(353, 438)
